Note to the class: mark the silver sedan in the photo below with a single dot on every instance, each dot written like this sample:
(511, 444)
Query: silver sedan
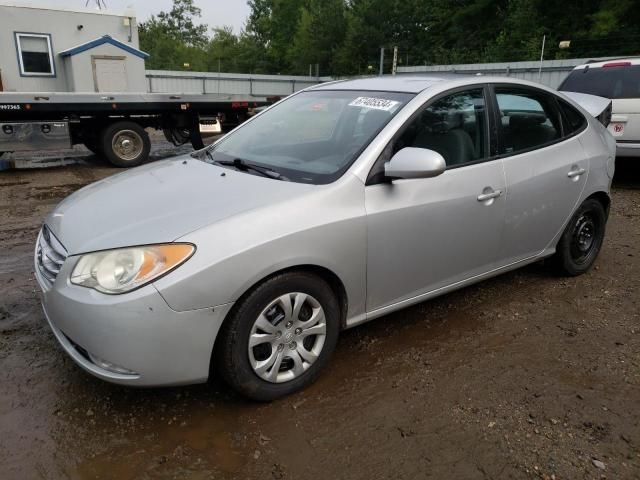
(338, 205)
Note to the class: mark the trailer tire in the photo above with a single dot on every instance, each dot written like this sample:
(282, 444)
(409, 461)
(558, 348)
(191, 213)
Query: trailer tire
(125, 144)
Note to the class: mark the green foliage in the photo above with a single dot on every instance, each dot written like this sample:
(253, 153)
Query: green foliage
(319, 34)
(344, 36)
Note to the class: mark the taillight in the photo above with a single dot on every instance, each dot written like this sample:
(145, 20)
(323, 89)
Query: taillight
(616, 64)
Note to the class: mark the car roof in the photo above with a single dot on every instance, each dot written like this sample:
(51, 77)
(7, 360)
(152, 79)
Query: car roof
(609, 62)
(391, 83)
(416, 83)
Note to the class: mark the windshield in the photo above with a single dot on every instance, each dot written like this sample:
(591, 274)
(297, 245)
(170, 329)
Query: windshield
(312, 137)
(608, 82)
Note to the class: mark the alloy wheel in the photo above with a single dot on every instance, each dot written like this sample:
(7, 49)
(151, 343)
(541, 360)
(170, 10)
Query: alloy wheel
(287, 337)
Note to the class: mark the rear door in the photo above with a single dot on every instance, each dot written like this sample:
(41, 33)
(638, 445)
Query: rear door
(545, 169)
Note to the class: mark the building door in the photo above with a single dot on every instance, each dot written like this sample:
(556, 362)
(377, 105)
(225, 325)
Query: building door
(110, 74)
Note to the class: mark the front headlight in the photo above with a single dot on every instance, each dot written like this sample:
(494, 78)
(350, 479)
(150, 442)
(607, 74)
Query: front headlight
(125, 269)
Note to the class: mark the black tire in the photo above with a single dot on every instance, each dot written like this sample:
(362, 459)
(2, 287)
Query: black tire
(116, 139)
(231, 358)
(582, 239)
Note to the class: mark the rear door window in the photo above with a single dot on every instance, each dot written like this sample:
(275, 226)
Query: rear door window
(608, 82)
(528, 119)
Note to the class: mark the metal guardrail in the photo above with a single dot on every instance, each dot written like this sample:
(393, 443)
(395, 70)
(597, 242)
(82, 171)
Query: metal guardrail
(548, 72)
(224, 83)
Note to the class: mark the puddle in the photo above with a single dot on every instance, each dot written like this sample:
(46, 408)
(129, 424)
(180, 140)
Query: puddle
(206, 441)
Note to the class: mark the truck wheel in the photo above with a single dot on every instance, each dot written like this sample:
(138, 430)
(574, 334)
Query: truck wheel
(125, 144)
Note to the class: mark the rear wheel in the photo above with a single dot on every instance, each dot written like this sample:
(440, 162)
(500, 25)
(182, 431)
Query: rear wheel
(125, 144)
(582, 239)
(280, 337)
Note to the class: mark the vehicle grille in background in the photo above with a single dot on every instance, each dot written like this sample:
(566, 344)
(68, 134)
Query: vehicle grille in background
(50, 255)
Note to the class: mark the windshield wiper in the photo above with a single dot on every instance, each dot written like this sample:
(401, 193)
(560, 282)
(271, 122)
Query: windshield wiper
(240, 164)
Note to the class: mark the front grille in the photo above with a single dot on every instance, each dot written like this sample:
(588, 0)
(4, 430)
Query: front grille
(50, 255)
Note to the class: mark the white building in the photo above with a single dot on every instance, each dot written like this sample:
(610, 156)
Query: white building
(58, 50)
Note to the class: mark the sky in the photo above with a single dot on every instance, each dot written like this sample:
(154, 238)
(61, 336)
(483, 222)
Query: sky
(215, 13)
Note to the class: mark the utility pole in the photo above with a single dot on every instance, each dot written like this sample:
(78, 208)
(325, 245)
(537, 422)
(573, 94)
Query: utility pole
(544, 38)
(381, 61)
(395, 61)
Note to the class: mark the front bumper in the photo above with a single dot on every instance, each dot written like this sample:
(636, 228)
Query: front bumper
(137, 331)
(627, 149)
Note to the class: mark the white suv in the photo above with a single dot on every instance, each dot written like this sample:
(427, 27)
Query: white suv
(618, 80)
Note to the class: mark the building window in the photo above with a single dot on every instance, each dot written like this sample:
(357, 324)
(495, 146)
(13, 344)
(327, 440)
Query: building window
(35, 54)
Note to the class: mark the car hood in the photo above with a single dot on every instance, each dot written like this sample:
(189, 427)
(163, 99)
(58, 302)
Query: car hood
(161, 202)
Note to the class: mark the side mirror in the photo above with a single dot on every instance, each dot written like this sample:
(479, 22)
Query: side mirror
(415, 163)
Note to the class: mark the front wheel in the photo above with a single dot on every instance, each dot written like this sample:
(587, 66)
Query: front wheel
(280, 336)
(582, 239)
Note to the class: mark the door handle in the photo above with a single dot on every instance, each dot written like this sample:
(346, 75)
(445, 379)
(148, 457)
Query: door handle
(488, 196)
(576, 172)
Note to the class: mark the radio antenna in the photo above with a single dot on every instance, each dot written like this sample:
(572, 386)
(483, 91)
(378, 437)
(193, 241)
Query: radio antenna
(99, 3)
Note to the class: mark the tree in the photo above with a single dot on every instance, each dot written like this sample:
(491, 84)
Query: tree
(344, 36)
(174, 39)
(180, 24)
(319, 34)
(285, 16)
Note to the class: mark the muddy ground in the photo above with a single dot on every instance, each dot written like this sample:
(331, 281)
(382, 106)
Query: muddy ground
(528, 375)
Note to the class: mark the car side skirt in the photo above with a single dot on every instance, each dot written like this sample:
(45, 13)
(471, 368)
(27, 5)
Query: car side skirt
(352, 322)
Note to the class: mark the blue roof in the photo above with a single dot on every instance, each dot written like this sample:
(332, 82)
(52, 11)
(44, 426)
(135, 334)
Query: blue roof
(101, 41)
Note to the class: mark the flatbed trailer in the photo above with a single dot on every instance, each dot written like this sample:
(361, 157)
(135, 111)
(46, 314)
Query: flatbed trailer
(113, 124)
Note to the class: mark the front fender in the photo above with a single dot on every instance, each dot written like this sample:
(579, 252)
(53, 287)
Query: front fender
(326, 229)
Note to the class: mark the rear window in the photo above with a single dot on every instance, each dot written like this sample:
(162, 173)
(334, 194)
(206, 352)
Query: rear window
(609, 82)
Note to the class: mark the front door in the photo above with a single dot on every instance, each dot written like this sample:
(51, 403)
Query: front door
(110, 74)
(425, 234)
